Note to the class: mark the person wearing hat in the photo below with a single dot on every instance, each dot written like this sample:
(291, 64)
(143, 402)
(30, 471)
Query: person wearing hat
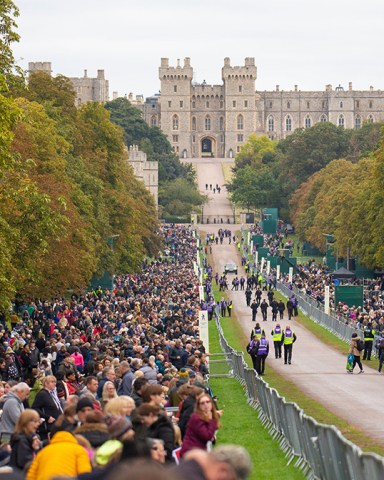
(84, 406)
(92, 427)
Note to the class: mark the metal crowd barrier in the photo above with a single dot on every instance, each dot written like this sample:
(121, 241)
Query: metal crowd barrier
(319, 451)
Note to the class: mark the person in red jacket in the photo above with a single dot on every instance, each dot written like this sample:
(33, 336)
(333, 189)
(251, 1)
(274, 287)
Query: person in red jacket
(202, 425)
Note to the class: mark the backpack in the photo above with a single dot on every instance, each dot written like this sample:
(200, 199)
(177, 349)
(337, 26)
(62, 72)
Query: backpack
(360, 345)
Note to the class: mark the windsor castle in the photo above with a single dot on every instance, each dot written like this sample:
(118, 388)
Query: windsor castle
(203, 120)
(216, 120)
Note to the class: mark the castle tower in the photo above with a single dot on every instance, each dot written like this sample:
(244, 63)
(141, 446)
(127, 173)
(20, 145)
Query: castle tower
(175, 104)
(240, 103)
(40, 67)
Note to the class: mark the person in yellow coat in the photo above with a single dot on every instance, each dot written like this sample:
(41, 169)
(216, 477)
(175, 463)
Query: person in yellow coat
(63, 457)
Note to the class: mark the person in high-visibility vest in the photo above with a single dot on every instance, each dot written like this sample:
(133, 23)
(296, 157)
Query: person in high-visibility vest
(289, 338)
(369, 335)
(277, 335)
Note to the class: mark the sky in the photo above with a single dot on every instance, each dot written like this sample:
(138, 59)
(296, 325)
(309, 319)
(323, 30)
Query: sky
(309, 43)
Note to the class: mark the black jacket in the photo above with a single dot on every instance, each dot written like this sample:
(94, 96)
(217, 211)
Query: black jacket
(22, 451)
(46, 407)
(163, 429)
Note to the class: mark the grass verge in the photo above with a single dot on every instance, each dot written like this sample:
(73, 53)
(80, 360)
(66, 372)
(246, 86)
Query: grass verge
(241, 424)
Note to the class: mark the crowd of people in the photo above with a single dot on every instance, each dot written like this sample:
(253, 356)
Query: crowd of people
(114, 382)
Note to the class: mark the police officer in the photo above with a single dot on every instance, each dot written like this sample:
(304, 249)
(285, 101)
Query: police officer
(254, 307)
(264, 308)
(262, 354)
(369, 335)
(257, 331)
(289, 338)
(277, 335)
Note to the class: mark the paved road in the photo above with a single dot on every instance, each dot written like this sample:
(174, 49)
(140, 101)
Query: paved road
(316, 369)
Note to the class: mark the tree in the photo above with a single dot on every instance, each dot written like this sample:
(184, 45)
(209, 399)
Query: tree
(8, 36)
(254, 187)
(254, 150)
(309, 150)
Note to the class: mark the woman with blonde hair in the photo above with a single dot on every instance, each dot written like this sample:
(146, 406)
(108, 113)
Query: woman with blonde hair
(202, 425)
(109, 392)
(122, 406)
(25, 442)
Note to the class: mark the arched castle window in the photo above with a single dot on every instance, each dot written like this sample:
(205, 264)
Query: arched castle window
(221, 104)
(288, 104)
(340, 121)
(288, 123)
(341, 104)
(221, 123)
(370, 119)
(307, 122)
(175, 122)
(240, 122)
(207, 122)
(193, 104)
(323, 118)
(370, 104)
(153, 121)
(357, 122)
(271, 124)
(193, 123)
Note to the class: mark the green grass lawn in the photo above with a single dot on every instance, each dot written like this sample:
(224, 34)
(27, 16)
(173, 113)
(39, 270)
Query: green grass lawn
(241, 425)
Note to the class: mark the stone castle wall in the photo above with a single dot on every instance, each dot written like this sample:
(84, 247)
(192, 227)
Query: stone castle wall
(216, 120)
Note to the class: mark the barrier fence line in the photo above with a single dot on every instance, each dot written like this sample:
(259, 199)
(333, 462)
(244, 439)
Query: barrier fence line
(319, 451)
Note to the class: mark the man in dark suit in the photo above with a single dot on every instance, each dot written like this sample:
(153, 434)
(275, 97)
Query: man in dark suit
(47, 404)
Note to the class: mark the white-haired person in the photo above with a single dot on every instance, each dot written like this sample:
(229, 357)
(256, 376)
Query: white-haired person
(13, 408)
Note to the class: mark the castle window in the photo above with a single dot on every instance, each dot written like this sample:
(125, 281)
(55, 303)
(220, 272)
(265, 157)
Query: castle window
(207, 104)
(340, 121)
(193, 138)
(324, 105)
(169, 104)
(207, 122)
(238, 149)
(194, 123)
(153, 121)
(175, 122)
(307, 121)
(370, 104)
(175, 138)
(341, 104)
(221, 104)
(240, 137)
(234, 103)
(307, 104)
(193, 104)
(181, 103)
(288, 123)
(370, 119)
(357, 104)
(175, 88)
(240, 122)
(240, 88)
(323, 118)
(221, 123)
(271, 124)
(288, 104)
(245, 103)
(357, 122)
(270, 104)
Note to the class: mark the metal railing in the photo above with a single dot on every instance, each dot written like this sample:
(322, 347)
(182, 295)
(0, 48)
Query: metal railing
(319, 451)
